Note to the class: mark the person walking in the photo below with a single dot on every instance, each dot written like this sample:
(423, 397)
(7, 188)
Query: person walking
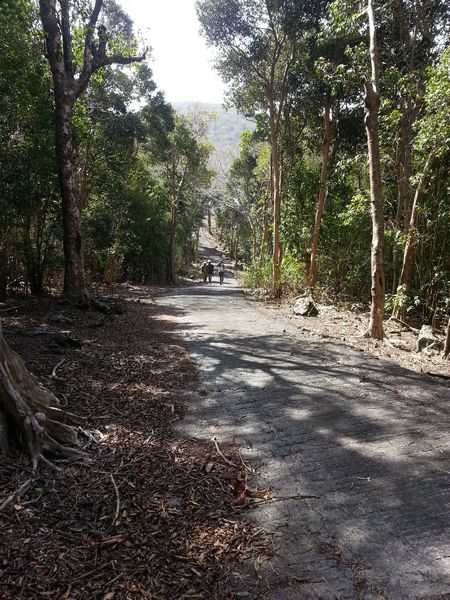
(204, 272)
(221, 269)
(210, 271)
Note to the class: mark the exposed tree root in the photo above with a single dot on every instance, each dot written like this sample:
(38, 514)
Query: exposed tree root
(29, 414)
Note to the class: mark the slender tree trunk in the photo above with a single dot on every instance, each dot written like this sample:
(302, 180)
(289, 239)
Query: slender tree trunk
(320, 196)
(172, 241)
(254, 246)
(405, 193)
(265, 231)
(372, 105)
(276, 198)
(404, 282)
(176, 191)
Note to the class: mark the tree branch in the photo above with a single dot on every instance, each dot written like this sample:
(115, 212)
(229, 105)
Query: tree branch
(67, 38)
(118, 59)
(54, 51)
(251, 64)
(90, 29)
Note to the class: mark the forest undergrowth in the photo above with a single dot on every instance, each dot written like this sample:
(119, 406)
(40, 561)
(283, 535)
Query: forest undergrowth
(147, 514)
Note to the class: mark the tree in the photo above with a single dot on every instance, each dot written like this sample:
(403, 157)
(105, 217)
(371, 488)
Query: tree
(70, 79)
(372, 105)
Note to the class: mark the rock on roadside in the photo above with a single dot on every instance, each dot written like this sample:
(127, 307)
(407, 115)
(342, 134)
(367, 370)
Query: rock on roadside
(305, 307)
(428, 337)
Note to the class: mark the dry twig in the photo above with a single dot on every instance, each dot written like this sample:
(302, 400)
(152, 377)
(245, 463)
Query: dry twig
(55, 368)
(21, 490)
(222, 456)
(117, 500)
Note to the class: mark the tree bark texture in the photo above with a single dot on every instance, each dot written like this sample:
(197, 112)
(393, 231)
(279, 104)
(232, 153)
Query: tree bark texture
(74, 279)
(372, 105)
(29, 415)
(320, 196)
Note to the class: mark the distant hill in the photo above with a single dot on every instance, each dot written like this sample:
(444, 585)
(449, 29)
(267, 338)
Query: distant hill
(224, 132)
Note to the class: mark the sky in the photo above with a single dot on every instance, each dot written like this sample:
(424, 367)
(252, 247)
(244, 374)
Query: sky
(180, 59)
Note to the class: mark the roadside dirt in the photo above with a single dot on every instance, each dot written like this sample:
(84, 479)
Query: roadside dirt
(400, 347)
(149, 514)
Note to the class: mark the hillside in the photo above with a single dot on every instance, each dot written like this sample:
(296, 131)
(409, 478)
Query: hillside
(224, 131)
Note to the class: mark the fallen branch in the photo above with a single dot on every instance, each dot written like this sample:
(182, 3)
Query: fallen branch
(222, 456)
(21, 490)
(397, 320)
(245, 465)
(117, 500)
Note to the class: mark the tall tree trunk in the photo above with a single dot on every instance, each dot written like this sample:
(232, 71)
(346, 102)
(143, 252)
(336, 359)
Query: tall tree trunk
(372, 105)
(404, 282)
(404, 188)
(172, 241)
(254, 245)
(176, 191)
(74, 280)
(276, 198)
(265, 231)
(321, 195)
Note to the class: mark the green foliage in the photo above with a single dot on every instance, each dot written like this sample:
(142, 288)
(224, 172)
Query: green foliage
(258, 275)
(293, 273)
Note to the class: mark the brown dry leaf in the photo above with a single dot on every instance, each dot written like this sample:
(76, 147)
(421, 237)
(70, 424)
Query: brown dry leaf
(239, 493)
(209, 467)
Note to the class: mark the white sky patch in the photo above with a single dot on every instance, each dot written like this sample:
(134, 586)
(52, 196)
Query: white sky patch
(180, 60)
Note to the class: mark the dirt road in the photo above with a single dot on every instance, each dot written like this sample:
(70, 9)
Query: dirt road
(367, 440)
